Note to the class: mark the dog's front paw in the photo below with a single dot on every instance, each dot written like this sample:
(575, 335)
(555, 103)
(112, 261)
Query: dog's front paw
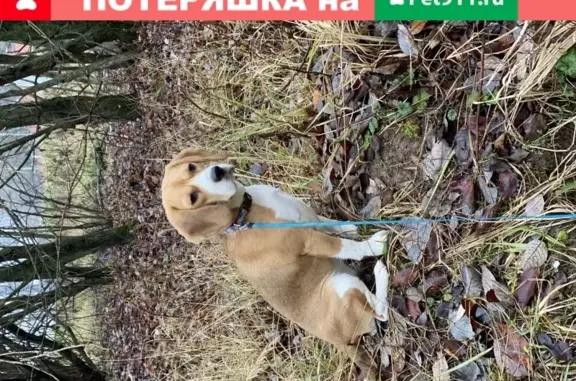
(379, 243)
(349, 231)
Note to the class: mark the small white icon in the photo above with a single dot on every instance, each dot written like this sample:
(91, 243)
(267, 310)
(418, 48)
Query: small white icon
(396, 2)
(26, 5)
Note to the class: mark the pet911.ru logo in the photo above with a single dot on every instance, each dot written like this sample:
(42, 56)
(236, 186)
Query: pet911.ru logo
(444, 3)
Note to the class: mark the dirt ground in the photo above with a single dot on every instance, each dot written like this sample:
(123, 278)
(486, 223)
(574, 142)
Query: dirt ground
(363, 120)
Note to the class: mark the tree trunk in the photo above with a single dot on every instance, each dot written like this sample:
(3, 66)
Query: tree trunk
(79, 366)
(62, 50)
(108, 31)
(112, 62)
(47, 260)
(48, 371)
(77, 110)
(10, 60)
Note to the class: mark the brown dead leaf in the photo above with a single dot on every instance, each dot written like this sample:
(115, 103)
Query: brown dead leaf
(490, 211)
(398, 359)
(406, 42)
(489, 283)
(440, 369)
(491, 63)
(317, 100)
(527, 287)
(436, 159)
(455, 349)
(507, 184)
(535, 206)
(476, 124)
(413, 309)
(405, 277)
(462, 150)
(510, 353)
(534, 256)
(434, 282)
(466, 188)
(472, 280)
(417, 27)
(534, 127)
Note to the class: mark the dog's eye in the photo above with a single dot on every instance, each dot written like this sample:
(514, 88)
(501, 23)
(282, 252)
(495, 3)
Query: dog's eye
(191, 167)
(193, 197)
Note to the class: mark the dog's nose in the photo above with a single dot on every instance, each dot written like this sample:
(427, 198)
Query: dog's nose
(218, 173)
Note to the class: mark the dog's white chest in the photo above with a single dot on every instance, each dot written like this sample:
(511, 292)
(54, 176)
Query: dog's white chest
(285, 207)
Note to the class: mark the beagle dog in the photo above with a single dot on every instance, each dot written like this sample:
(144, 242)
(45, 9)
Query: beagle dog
(299, 271)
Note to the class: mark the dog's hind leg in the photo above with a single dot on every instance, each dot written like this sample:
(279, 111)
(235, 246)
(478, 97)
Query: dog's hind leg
(381, 275)
(347, 231)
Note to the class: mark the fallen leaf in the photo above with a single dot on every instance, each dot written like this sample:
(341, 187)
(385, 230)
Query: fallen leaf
(404, 277)
(527, 287)
(476, 124)
(258, 169)
(327, 186)
(414, 294)
(472, 280)
(534, 127)
(385, 28)
(562, 351)
(489, 283)
(399, 304)
(434, 281)
(436, 159)
(490, 82)
(481, 315)
(317, 100)
(445, 309)
(440, 369)
(460, 325)
(500, 145)
(518, 155)
(416, 240)
(398, 359)
(496, 312)
(455, 349)
(507, 184)
(438, 204)
(490, 194)
(413, 309)
(524, 53)
(534, 256)
(491, 63)
(510, 354)
(406, 42)
(371, 209)
(544, 339)
(463, 152)
(474, 371)
(559, 279)
(489, 212)
(422, 319)
(417, 27)
(535, 206)
(466, 188)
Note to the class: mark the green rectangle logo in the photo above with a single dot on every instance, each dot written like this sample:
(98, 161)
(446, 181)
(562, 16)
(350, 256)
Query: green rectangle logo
(465, 10)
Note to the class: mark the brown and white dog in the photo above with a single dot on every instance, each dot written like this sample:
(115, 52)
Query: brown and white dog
(299, 272)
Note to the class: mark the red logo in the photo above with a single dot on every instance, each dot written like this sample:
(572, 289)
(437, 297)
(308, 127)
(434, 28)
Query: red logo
(24, 10)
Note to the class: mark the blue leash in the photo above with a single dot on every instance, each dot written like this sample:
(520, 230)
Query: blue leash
(413, 220)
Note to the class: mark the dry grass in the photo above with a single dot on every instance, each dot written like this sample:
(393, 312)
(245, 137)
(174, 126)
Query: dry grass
(247, 88)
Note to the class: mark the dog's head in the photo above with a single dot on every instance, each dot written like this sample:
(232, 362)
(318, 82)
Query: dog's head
(199, 195)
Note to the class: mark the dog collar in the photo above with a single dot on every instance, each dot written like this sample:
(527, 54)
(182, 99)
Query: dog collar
(240, 223)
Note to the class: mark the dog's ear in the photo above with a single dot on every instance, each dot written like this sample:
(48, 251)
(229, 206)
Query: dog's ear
(197, 155)
(196, 225)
